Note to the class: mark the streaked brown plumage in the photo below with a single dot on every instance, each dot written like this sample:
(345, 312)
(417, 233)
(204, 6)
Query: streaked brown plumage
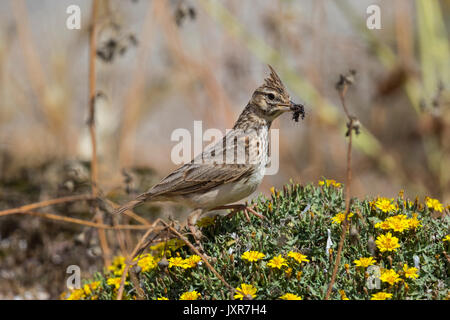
(209, 180)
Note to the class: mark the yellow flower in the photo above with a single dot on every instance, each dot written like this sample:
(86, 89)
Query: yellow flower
(434, 204)
(381, 296)
(246, 291)
(340, 217)
(272, 190)
(192, 261)
(446, 238)
(330, 182)
(383, 225)
(297, 256)
(364, 262)
(387, 242)
(343, 295)
(177, 262)
(88, 287)
(398, 223)
(385, 204)
(115, 282)
(414, 222)
(118, 265)
(410, 272)
(146, 262)
(252, 256)
(277, 262)
(290, 296)
(390, 276)
(288, 272)
(205, 222)
(162, 298)
(190, 295)
(76, 294)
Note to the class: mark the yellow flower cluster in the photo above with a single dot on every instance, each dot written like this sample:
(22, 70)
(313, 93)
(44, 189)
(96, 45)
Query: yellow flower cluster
(339, 218)
(147, 262)
(399, 223)
(189, 262)
(276, 262)
(115, 282)
(85, 292)
(434, 204)
(330, 182)
(446, 238)
(118, 265)
(391, 276)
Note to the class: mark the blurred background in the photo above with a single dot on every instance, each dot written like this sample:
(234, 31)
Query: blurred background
(163, 64)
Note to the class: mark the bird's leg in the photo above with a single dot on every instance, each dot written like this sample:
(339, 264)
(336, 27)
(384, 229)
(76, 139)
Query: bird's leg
(196, 233)
(235, 208)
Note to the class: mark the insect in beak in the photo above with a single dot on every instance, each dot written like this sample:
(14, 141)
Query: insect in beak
(298, 110)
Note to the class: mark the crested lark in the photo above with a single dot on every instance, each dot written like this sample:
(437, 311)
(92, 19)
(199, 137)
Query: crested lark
(233, 168)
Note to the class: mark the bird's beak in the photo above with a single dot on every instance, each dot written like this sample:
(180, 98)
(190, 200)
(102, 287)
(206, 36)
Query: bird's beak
(291, 106)
(285, 107)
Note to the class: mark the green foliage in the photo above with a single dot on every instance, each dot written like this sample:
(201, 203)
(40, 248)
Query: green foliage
(297, 219)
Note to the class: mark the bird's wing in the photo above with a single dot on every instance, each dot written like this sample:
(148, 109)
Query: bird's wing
(199, 176)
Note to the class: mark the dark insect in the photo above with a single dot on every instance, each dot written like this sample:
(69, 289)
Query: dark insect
(298, 110)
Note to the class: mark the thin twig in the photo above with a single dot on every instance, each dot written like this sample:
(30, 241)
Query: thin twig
(56, 217)
(45, 203)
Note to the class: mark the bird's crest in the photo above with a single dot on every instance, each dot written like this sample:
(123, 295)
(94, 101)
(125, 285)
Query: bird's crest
(273, 81)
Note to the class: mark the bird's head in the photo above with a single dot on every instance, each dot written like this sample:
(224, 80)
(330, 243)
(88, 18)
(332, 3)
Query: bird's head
(272, 99)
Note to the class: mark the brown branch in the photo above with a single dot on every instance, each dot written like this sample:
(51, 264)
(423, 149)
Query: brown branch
(45, 203)
(56, 217)
(352, 125)
(91, 123)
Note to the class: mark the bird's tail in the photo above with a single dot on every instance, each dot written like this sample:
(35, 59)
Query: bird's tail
(132, 204)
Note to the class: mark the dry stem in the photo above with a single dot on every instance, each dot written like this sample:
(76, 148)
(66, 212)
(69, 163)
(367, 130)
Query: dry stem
(342, 87)
(91, 123)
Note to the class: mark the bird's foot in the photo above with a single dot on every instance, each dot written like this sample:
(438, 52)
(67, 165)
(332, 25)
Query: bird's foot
(235, 208)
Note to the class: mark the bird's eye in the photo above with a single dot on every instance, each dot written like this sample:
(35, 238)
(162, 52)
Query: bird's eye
(271, 96)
